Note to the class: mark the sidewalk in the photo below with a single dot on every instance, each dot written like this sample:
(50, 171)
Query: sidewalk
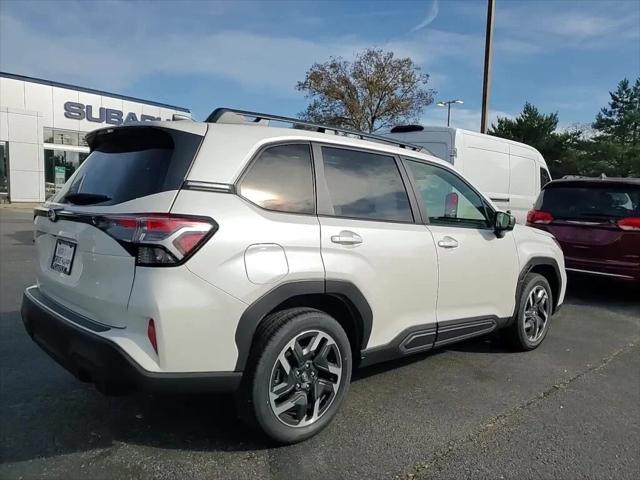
(21, 205)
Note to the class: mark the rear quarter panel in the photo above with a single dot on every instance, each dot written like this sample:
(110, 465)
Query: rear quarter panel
(243, 229)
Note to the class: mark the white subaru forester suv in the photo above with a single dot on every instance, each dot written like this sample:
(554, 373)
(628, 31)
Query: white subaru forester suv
(232, 255)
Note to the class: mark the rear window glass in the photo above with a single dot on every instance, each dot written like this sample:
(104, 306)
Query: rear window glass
(544, 177)
(131, 163)
(586, 201)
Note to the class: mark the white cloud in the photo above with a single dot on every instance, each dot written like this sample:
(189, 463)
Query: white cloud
(131, 52)
(431, 16)
(525, 28)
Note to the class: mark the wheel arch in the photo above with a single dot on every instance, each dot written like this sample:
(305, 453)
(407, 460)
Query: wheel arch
(549, 269)
(340, 299)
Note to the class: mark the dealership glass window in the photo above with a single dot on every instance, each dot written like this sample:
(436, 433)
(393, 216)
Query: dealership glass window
(59, 165)
(63, 137)
(48, 135)
(4, 169)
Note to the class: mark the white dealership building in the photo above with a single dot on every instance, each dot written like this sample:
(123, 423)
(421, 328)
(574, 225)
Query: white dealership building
(42, 128)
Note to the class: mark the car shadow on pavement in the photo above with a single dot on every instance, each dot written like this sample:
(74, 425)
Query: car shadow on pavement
(22, 237)
(56, 414)
(596, 291)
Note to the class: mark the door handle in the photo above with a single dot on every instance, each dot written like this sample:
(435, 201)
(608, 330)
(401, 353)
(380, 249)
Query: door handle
(347, 238)
(448, 242)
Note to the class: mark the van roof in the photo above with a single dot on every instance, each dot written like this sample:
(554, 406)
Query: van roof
(454, 130)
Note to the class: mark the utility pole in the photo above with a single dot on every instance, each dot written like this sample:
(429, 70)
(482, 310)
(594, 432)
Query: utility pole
(488, 50)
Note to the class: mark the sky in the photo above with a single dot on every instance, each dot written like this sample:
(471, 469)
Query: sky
(562, 56)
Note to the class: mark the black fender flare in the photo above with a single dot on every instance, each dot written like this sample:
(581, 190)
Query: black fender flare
(259, 309)
(533, 262)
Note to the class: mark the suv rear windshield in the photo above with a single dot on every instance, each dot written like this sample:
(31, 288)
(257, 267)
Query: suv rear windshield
(130, 163)
(585, 200)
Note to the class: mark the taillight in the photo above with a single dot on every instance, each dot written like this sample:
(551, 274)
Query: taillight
(155, 239)
(539, 217)
(451, 205)
(629, 223)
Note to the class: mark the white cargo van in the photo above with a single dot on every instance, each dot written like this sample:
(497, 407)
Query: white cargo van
(508, 172)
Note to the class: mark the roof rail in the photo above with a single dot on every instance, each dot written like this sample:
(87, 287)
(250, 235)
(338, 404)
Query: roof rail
(217, 117)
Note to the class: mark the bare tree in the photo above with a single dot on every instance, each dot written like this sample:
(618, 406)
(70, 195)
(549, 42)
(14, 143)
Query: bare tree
(375, 91)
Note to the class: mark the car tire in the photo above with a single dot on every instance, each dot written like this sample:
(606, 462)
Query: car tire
(533, 316)
(298, 374)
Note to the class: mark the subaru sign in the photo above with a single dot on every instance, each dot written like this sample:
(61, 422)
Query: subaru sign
(112, 116)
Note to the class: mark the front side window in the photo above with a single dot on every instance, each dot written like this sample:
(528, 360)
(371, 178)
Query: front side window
(365, 185)
(447, 199)
(281, 179)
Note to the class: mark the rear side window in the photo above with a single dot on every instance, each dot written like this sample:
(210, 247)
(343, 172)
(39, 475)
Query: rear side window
(281, 179)
(544, 177)
(130, 163)
(584, 201)
(365, 185)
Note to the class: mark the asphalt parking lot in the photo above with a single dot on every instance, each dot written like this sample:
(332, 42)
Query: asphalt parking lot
(570, 409)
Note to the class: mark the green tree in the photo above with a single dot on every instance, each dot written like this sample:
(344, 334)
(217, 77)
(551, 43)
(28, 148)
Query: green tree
(617, 126)
(376, 90)
(540, 131)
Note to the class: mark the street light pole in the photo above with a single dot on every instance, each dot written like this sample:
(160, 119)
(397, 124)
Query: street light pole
(448, 105)
(488, 49)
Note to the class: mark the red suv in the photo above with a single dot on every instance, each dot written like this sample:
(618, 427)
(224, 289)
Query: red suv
(596, 221)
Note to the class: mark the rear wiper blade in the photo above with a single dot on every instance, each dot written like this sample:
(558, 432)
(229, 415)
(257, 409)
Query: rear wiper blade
(86, 198)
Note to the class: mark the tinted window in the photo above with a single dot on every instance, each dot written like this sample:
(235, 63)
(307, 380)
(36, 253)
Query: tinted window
(590, 201)
(447, 199)
(4, 172)
(281, 179)
(544, 177)
(134, 162)
(365, 185)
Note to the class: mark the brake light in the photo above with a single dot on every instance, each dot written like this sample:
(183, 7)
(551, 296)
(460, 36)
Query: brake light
(629, 223)
(539, 217)
(156, 239)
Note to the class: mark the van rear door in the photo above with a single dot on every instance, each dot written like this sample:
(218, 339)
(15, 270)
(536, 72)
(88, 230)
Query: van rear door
(523, 181)
(83, 262)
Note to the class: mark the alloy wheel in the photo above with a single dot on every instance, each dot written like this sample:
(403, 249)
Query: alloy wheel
(536, 313)
(305, 378)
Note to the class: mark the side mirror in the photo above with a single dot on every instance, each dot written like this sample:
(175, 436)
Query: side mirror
(503, 223)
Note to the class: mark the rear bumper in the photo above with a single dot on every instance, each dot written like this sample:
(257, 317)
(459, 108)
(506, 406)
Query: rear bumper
(91, 357)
